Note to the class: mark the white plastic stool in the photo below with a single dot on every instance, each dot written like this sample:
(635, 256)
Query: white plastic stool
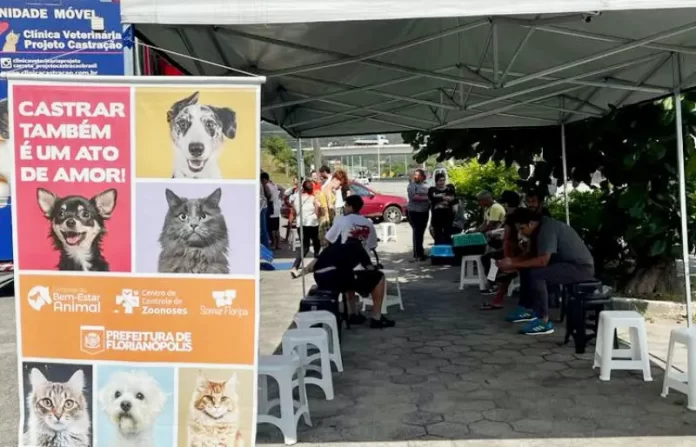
(514, 285)
(388, 231)
(297, 341)
(324, 318)
(283, 368)
(682, 382)
(467, 275)
(607, 358)
(389, 300)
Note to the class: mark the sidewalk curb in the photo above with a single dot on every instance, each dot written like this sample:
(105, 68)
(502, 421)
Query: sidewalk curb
(650, 308)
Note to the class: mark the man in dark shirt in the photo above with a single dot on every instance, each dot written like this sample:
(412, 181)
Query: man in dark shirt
(561, 257)
(335, 268)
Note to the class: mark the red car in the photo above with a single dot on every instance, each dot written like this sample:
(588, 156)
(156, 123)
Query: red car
(377, 206)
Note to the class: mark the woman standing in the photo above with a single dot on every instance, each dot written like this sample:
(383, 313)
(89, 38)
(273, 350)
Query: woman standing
(341, 190)
(418, 212)
(442, 198)
(307, 209)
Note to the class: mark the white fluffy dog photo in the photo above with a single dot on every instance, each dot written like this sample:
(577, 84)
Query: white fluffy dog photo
(132, 401)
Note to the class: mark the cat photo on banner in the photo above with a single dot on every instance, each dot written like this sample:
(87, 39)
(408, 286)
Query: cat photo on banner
(216, 405)
(195, 228)
(58, 405)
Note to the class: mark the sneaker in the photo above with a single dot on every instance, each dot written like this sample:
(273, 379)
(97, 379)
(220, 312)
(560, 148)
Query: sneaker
(537, 327)
(357, 319)
(519, 316)
(381, 323)
(491, 291)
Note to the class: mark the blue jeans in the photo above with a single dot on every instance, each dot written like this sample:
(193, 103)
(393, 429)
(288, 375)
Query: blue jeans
(265, 240)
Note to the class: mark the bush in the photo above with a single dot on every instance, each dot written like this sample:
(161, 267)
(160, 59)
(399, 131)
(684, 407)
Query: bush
(472, 177)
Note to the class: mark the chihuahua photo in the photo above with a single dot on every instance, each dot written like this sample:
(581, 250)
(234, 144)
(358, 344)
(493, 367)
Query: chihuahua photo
(78, 226)
(133, 401)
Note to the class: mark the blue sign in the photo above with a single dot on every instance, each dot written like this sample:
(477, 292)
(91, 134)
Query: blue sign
(69, 37)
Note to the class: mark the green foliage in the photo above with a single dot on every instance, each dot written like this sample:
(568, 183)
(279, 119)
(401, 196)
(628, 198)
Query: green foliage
(637, 219)
(283, 155)
(472, 177)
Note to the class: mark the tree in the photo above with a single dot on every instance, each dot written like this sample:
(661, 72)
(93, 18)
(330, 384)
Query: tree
(283, 154)
(634, 148)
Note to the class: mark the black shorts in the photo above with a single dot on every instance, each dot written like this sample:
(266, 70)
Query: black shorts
(273, 223)
(363, 282)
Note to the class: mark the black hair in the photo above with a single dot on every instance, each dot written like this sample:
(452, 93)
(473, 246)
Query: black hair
(308, 186)
(325, 169)
(439, 175)
(265, 176)
(510, 198)
(355, 202)
(536, 192)
(523, 216)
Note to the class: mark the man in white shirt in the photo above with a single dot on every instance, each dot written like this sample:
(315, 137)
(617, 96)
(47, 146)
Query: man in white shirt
(346, 230)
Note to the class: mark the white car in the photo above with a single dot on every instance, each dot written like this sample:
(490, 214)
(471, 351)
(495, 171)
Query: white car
(363, 180)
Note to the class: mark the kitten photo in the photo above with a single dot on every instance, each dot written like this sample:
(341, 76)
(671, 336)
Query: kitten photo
(194, 236)
(58, 413)
(214, 414)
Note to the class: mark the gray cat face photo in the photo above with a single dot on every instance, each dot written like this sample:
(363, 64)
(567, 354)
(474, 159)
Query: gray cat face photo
(194, 235)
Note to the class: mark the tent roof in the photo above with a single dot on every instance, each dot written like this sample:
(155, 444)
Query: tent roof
(383, 76)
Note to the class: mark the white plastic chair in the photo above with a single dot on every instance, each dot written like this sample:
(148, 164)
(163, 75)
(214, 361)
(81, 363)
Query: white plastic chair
(389, 300)
(283, 368)
(682, 382)
(327, 320)
(607, 358)
(468, 276)
(296, 341)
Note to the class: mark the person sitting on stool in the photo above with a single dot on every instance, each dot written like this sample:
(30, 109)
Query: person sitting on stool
(561, 258)
(334, 269)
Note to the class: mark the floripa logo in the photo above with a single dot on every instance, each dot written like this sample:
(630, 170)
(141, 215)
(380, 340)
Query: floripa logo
(129, 299)
(224, 298)
(38, 296)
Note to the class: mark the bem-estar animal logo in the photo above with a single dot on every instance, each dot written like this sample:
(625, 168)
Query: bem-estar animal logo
(78, 226)
(198, 134)
(224, 298)
(38, 296)
(129, 299)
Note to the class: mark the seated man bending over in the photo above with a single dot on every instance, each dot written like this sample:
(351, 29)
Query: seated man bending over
(561, 258)
(350, 237)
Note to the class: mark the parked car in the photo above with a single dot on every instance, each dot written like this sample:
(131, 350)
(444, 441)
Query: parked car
(377, 206)
(380, 206)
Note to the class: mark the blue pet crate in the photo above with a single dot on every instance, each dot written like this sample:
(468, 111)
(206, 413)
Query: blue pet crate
(443, 255)
(6, 262)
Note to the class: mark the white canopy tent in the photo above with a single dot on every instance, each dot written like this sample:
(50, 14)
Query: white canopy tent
(366, 67)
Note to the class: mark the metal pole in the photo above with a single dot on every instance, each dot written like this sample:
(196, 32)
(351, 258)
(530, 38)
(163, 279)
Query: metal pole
(300, 231)
(565, 173)
(682, 194)
(379, 164)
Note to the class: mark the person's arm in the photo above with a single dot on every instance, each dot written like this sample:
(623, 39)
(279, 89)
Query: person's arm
(415, 196)
(508, 246)
(335, 231)
(363, 256)
(547, 244)
(372, 237)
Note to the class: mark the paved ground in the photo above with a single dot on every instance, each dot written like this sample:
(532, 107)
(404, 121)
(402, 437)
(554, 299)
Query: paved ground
(448, 375)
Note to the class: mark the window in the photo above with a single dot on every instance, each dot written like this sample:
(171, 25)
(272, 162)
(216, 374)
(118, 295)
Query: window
(359, 190)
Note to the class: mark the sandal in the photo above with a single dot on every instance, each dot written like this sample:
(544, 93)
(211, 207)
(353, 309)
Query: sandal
(489, 306)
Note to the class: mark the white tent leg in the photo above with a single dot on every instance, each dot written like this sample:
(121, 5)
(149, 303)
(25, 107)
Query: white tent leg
(682, 205)
(565, 173)
(300, 172)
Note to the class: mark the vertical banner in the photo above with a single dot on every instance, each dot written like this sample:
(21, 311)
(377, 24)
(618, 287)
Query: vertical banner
(136, 208)
(51, 37)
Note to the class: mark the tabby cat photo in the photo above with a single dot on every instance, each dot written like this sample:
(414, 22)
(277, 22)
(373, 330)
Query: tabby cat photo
(194, 235)
(214, 414)
(58, 413)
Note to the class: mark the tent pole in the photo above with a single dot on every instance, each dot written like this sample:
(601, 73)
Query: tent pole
(565, 173)
(300, 231)
(682, 205)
